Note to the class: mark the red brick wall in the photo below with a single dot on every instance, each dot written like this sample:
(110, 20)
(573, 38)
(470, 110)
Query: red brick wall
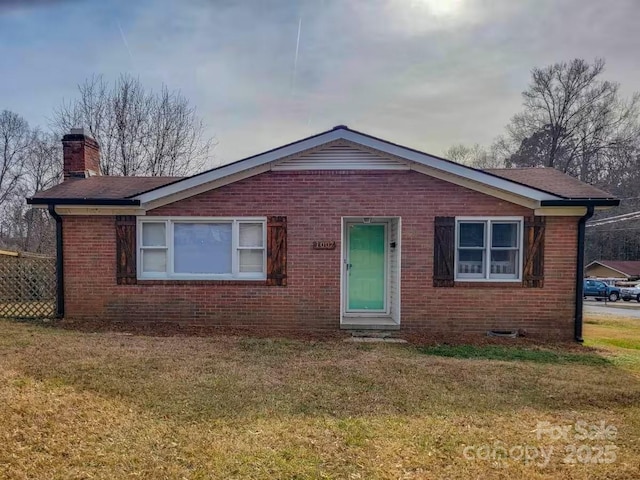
(314, 203)
(80, 156)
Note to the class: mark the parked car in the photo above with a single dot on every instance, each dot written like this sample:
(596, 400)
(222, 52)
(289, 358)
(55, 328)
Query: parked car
(630, 293)
(598, 289)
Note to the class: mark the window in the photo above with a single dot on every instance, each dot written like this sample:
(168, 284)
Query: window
(199, 248)
(489, 249)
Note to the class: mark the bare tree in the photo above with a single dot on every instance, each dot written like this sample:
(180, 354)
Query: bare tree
(572, 121)
(578, 123)
(22, 227)
(475, 156)
(15, 143)
(140, 132)
(44, 163)
(43, 170)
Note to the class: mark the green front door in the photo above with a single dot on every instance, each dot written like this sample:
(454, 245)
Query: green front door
(366, 268)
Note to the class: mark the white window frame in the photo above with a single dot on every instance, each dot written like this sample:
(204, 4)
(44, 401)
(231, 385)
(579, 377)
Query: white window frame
(170, 222)
(488, 277)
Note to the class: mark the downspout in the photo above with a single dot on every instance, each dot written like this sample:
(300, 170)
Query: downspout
(59, 263)
(580, 273)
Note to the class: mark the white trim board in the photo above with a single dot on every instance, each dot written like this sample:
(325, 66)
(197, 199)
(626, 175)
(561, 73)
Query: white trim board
(418, 161)
(99, 210)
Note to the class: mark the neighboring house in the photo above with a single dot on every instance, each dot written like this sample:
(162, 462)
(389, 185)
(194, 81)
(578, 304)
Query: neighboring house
(619, 269)
(338, 230)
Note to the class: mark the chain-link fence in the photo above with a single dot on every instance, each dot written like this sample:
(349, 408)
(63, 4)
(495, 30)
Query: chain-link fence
(27, 285)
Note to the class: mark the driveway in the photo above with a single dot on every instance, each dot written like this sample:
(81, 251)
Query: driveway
(608, 309)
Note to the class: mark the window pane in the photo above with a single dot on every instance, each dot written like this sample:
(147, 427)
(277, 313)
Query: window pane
(153, 235)
(471, 235)
(250, 234)
(251, 261)
(202, 248)
(471, 261)
(504, 235)
(154, 260)
(504, 262)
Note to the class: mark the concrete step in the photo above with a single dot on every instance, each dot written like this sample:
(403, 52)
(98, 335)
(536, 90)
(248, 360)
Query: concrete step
(368, 323)
(374, 340)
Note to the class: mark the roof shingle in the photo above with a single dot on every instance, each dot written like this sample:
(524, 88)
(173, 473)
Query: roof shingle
(552, 181)
(104, 187)
(114, 188)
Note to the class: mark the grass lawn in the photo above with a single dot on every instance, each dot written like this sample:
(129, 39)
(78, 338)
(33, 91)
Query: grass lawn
(82, 405)
(618, 337)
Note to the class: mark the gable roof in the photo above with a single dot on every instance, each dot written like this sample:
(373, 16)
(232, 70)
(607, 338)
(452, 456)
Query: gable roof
(341, 132)
(540, 187)
(630, 268)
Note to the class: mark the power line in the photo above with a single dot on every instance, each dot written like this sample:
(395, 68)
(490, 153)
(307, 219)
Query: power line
(600, 224)
(623, 229)
(615, 219)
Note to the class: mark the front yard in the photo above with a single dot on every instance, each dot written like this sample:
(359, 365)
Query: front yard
(81, 405)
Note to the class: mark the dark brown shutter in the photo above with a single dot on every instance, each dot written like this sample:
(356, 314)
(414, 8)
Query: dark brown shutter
(533, 271)
(444, 251)
(126, 249)
(277, 251)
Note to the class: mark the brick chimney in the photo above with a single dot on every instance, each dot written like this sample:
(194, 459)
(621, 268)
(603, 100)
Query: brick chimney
(81, 155)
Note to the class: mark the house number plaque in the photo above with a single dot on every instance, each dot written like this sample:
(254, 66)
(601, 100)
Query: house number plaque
(324, 245)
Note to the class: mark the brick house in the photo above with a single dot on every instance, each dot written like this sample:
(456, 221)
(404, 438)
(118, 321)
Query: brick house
(338, 230)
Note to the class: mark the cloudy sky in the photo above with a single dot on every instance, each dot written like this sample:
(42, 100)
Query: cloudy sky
(425, 73)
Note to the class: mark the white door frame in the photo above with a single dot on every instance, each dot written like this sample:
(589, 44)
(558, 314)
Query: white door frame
(344, 273)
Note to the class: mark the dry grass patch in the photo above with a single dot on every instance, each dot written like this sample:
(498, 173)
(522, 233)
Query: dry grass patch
(80, 405)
